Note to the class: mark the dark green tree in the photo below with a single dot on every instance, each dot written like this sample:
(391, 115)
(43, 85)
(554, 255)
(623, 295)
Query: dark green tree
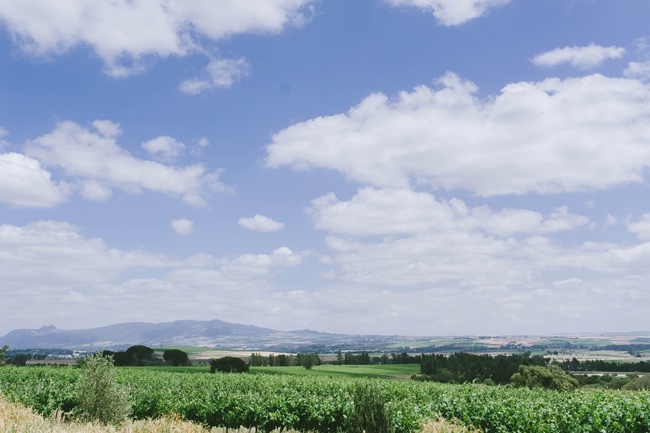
(3, 354)
(176, 357)
(256, 360)
(228, 364)
(20, 359)
(140, 355)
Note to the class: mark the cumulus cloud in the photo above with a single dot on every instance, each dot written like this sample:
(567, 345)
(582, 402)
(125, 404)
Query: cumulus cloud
(164, 148)
(579, 57)
(113, 29)
(545, 137)
(220, 73)
(640, 70)
(385, 212)
(182, 226)
(260, 223)
(24, 183)
(452, 12)
(94, 158)
(641, 227)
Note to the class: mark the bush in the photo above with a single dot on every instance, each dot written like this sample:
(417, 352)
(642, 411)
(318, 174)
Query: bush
(228, 364)
(639, 384)
(98, 395)
(536, 376)
(370, 413)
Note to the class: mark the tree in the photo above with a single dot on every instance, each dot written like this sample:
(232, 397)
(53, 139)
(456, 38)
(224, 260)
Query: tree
(256, 360)
(228, 364)
(140, 355)
(536, 376)
(3, 354)
(176, 357)
(122, 359)
(20, 359)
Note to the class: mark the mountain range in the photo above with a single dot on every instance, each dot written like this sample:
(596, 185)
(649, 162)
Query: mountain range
(213, 333)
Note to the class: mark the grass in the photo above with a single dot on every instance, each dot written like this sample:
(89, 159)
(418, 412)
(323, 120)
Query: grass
(390, 371)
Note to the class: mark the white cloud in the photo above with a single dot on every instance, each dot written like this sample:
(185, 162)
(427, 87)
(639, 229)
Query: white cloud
(95, 191)
(452, 12)
(114, 29)
(182, 226)
(579, 57)
(388, 212)
(54, 255)
(201, 143)
(545, 137)
(24, 183)
(641, 227)
(95, 159)
(49, 264)
(220, 73)
(164, 148)
(261, 223)
(640, 70)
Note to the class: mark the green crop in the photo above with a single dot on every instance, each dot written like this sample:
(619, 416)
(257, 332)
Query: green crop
(325, 404)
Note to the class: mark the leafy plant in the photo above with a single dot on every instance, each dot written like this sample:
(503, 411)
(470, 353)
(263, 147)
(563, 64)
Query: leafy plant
(370, 413)
(99, 397)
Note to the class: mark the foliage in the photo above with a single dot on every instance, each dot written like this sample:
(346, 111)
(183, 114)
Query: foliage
(605, 366)
(139, 355)
(228, 364)
(370, 413)
(323, 404)
(176, 357)
(3, 354)
(463, 367)
(20, 359)
(98, 395)
(535, 376)
(638, 384)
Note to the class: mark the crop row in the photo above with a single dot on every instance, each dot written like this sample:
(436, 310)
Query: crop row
(323, 404)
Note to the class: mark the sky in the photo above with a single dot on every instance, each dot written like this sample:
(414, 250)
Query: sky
(410, 167)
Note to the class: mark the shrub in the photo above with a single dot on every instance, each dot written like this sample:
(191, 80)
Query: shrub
(535, 376)
(98, 395)
(639, 384)
(370, 413)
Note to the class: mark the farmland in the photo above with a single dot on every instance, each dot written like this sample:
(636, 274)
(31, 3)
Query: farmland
(322, 403)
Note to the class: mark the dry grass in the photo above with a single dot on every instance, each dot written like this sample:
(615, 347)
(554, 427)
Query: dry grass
(15, 418)
(442, 426)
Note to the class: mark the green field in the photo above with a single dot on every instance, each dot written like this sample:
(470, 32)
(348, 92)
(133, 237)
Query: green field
(390, 371)
(318, 403)
(190, 350)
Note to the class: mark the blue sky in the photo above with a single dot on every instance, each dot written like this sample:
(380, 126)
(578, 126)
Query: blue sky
(420, 167)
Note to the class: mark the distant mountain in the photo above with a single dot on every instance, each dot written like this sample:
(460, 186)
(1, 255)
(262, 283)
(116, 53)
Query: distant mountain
(184, 332)
(213, 333)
